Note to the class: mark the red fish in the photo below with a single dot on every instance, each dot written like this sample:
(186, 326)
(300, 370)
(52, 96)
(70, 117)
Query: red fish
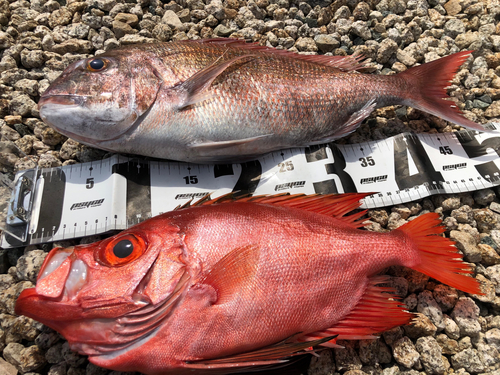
(235, 285)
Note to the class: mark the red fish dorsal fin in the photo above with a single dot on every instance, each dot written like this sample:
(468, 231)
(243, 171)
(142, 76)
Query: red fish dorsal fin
(336, 205)
(270, 355)
(344, 63)
(376, 312)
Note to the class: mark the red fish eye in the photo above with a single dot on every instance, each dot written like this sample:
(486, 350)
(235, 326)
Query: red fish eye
(122, 250)
(97, 64)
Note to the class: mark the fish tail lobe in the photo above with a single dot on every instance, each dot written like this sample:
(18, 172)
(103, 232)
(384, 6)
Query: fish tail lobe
(426, 85)
(437, 256)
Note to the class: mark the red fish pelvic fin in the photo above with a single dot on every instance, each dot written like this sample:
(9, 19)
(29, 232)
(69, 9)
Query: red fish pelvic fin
(377, 311)
(426, 85)
(437, 256)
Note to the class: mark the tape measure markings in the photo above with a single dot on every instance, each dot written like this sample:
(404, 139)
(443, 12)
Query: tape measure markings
(115, 193)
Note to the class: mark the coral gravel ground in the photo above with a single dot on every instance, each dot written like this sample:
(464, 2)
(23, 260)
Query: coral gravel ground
(454, 332)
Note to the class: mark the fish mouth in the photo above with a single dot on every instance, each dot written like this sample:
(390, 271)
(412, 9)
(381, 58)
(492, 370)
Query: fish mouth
(65, 100)
(73, 116)
(83, 322)
(61, 277)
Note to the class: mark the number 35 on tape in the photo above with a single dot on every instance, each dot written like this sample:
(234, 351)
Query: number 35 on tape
(115, 193)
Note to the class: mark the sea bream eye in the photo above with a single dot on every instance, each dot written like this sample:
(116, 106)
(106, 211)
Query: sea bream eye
(96, 65)
(123, 249)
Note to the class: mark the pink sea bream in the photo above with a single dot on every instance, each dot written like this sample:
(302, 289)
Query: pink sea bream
(225, 100)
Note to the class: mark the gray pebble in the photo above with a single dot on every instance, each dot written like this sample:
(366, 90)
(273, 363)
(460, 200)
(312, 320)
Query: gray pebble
(467, 359)
(405, 353)
(467, 244)
(347, 358)
(427, 305)
(465, 315)
(430, 355)
(493, 337)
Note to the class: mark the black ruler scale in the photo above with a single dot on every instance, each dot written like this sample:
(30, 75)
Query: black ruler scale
(113, 194)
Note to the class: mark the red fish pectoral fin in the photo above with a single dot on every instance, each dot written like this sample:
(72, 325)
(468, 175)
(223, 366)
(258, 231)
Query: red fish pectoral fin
(230, 275)
(271, 355)
(195, 89)
(428, 82)
(376, 312)
(438, 257)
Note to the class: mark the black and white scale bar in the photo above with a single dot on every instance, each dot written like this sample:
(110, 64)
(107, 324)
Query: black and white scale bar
(115, 193)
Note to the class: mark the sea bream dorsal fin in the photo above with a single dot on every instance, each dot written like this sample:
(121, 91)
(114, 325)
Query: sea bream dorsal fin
(336, 205)
(344, 63)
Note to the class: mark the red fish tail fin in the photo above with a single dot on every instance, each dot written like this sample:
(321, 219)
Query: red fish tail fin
(427, 84)
(438, 257)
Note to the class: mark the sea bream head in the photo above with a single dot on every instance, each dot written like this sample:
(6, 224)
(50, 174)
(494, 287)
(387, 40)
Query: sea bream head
(100, 98)
(111, 296)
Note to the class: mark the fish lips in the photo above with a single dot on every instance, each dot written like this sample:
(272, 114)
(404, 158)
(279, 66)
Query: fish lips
(86, 119)
(45, 310)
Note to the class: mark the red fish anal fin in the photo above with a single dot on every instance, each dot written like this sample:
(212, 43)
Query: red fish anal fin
(428, 82)
(195, 89)
(438, 257)
(235, 270)
(377, 311)
(270, 355)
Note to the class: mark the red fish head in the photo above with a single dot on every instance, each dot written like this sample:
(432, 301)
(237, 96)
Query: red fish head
(107, 296)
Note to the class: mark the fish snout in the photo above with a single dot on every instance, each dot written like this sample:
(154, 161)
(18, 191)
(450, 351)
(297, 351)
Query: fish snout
(61, 272)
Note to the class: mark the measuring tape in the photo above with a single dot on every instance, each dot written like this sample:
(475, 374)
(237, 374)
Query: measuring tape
(52, 204)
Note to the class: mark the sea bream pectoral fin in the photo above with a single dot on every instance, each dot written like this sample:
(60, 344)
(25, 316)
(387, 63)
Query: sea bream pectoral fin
(195, 89)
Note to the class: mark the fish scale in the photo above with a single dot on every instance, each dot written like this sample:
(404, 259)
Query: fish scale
(225, 100)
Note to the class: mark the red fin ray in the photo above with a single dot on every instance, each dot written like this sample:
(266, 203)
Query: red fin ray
(430, 81)
(439, 258)
(336, 205)
(274, 354)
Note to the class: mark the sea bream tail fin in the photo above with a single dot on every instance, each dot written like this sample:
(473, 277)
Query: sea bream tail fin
(426, 85)
(436, 256)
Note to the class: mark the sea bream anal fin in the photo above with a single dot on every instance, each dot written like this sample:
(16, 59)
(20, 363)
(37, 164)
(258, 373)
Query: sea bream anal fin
(194, 90)
(351, 124)
(230, 275)
(377, 311)
(270, 355)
